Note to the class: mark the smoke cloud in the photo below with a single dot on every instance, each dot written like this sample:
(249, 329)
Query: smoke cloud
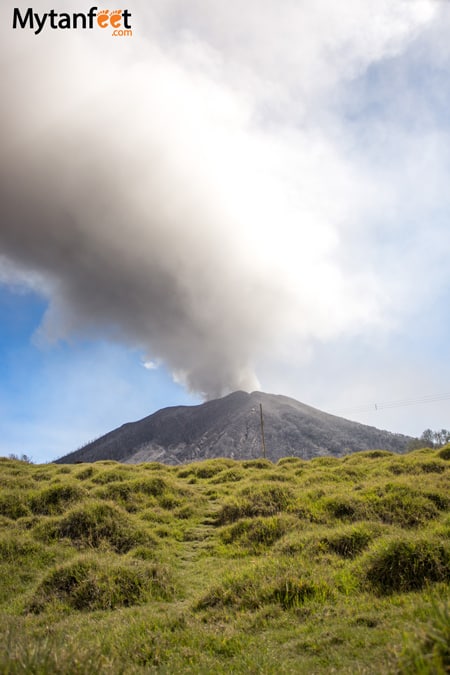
(187, 191)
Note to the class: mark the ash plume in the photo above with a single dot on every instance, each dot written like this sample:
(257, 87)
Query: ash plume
(160, 206)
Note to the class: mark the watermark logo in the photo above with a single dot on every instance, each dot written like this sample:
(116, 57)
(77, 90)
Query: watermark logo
(118, 20)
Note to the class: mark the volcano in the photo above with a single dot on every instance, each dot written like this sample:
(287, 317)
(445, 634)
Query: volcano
(231, 427)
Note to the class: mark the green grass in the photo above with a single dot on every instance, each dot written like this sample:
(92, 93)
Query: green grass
(407, 563)
(95, 524)
(90, 583)
(428, 652)
(331, 565)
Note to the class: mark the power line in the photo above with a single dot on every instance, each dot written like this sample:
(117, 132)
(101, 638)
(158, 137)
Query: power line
(430, 398)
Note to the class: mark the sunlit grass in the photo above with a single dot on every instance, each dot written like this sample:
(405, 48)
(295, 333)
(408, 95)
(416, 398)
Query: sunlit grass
(331, 565)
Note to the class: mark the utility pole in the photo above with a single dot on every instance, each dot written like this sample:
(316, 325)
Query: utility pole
(262, 431)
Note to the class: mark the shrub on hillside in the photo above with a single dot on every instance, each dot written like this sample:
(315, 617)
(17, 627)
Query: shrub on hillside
(431, 466)
(15, 548)
(90, 584)
(326, 460)
(255, 534)
(444, 453)
(13, 505)
(121, 472)
(95, 525)
(43, 475)
(155, 466)
(280, 477)
(229, 476)
(291, 462)
(345, 507)
(55, 499)
(406, 564)
(239, 592)
(206, 469)
(368, 454)
(401, 466)
(87, 472)
(349, 542)
(292, 591)
(439, 499)
(400, 505)
(258, 500)
(152, 487)
(121, 492)
(257, 464)
(265, 585)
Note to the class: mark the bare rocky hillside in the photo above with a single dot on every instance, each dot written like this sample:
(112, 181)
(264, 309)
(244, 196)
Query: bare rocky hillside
(230, 427)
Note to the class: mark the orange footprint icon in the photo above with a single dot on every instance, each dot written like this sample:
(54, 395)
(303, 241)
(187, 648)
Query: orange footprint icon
(103, 18)
(115, 18)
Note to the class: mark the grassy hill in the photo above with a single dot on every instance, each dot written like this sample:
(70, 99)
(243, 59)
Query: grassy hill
(321, 566)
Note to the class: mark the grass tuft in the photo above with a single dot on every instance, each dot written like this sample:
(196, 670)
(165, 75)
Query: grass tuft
(255, 534)
(96, 525)
(406, 564)
(55, 499)
(13, 505)
(91, 584)
(258, 500)
(350, 541)
(292, 591)
(265, 585)
(428, 652)
(444, 453)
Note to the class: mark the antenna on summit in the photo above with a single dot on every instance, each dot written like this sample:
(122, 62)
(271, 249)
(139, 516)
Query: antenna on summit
(262, 430)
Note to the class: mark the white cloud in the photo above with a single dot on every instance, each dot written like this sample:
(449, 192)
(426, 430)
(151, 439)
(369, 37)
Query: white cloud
(150, 365)
(203, 193)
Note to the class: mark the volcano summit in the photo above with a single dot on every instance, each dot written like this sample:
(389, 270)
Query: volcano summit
(231, 427)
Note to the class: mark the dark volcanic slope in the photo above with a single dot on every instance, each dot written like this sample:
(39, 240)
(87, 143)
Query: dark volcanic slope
(230, 427)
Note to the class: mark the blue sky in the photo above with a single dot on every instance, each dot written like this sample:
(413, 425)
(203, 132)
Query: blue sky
(55, 398)
(234, 197)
